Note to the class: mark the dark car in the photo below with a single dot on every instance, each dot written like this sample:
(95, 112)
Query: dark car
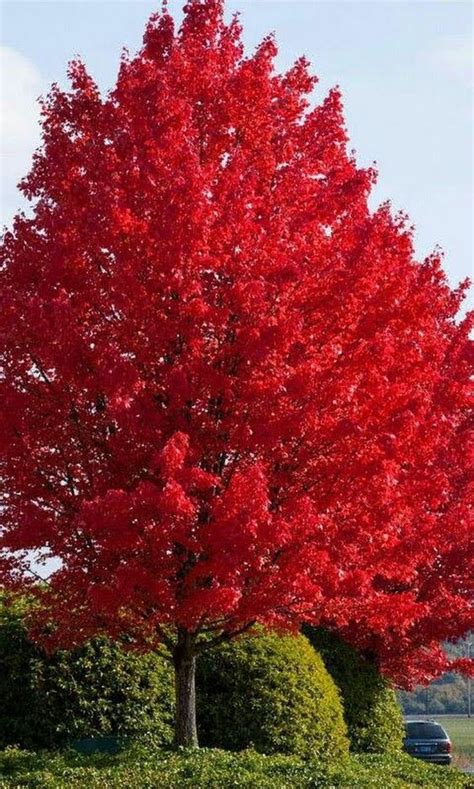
(427, 740)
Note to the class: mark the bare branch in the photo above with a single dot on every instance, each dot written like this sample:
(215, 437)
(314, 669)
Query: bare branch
(203, 646)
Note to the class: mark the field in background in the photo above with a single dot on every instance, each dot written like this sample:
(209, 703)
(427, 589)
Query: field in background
(461, 731)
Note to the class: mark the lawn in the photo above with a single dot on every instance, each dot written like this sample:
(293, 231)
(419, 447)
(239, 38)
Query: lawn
(142, 767)
(461, 731)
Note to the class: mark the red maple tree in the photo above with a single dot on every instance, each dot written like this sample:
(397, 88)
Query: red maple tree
(230, 393)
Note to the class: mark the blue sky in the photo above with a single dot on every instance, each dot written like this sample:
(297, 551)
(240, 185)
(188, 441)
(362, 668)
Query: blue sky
(405, 68)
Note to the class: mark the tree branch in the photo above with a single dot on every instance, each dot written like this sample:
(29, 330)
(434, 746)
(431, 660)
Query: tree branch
(203, 646)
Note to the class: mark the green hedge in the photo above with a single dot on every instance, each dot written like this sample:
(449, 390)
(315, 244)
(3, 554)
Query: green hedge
(373, 716)
(267, 691)
(146, 768)
(270, 692)
(99, 689)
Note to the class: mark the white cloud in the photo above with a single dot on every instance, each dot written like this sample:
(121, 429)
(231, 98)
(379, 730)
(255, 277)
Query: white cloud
(20, 86)
(453, 55)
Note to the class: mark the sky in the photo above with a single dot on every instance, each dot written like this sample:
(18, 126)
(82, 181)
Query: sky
(405, 68)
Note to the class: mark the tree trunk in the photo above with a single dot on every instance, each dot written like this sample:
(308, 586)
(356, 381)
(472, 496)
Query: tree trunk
(184, 659)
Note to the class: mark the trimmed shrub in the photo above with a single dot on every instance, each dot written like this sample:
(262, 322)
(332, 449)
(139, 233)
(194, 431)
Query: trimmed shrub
(373, 716)
(98, 689)
(270, 692)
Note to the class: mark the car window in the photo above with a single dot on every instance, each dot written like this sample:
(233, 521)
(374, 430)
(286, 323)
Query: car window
(425, 731)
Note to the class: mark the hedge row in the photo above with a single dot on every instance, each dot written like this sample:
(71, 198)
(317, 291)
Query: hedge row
(148, 768)
(265, 691)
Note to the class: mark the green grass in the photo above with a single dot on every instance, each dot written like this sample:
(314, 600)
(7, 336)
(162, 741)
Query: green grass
(143, 767)
(461, 732)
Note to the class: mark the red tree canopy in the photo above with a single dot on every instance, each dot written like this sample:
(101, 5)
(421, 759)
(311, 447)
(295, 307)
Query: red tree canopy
(230, 393)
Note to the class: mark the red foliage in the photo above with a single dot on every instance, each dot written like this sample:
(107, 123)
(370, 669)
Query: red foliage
(230, 393)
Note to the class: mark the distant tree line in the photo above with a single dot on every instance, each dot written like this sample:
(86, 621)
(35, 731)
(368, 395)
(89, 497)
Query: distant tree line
(447, 695)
